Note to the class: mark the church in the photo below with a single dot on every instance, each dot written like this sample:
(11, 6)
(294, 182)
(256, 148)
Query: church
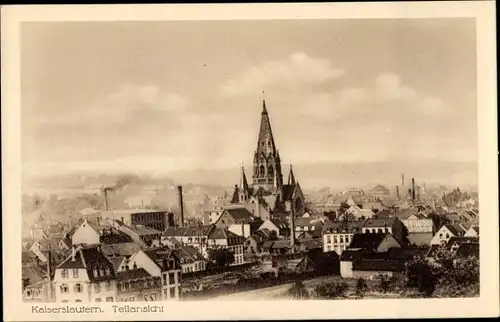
(268, 197)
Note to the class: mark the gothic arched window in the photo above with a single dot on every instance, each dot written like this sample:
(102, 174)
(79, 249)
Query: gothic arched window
(270, 171)
(262, 171)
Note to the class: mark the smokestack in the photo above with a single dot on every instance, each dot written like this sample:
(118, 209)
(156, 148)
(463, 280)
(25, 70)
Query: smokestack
(397, 192)
(105, 194)
(181, 206)
(403, 180)
(413, 188)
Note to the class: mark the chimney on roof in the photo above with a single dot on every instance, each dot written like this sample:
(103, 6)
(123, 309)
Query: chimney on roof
(181, 206)
(98, 220)
(73, 253)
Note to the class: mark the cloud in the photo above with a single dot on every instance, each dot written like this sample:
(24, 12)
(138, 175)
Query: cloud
(293, 73)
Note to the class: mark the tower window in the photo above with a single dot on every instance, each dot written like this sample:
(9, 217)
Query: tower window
(262, 170)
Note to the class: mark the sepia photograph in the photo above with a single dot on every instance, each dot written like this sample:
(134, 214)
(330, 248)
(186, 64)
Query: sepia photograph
(165, 161)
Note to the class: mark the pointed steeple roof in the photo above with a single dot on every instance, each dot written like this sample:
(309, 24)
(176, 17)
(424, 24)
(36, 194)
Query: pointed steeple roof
(265, 144)
(291, 176)
(243, 181)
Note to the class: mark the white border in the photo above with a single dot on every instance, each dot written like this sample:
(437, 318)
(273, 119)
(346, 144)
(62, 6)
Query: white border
(485, 305)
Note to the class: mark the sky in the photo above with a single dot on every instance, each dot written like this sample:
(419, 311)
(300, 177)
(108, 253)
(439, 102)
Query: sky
(172, 96)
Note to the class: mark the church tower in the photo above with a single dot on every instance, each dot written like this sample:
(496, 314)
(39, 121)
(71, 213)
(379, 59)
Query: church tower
(267, 163)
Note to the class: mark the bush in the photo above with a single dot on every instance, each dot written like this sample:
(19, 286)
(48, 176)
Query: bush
(361, 287)
(422, 276)
(298, 290)
(331, 290)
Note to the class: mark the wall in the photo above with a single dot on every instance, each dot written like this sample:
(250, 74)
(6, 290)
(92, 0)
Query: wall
(240, 229)
(104, 292)
(269, 225)
(441, 236)
(70, 281)
(143, 261)
(337, 242)
(85, 234)
(370, 275)
(419, 225)
(346, 269)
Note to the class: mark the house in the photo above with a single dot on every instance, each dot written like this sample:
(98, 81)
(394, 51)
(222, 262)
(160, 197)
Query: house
(374, 206)
(346, 261)
(455, 242)
(160, 262)
(252, 244)
(139, 201)
(211, 216)
(447, 231)
(473, 231)
(311, 234)
(370, 269)
(280, 226)
(41, 247)
(391, 225)
(141, 234)
(85, 276)
(337, 235)
(89, 233)
(360, 213)
(320, 263)
(137, 285)
(205, 238)
(191, 260)
(306, 224)
(379, 192)
(237, 220)
(373, 242)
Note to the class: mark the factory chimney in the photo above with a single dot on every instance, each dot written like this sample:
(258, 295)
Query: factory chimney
(403, 180)
(397, 192)
(181, 206)
(105, 196)
(49, 274)
(413, 188)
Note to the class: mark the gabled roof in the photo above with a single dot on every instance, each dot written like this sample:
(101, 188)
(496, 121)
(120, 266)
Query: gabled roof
(191, 231)
(240, 215)
(98, 267)
(188, 254)
(456, 230)
(303, 221)
(116, 262)
(122, 249)
(380, 222)
(367, 241)
(351, 254)
(142, 230)
(461, 240)
(132, 274)
(288, 191)
(280, 223)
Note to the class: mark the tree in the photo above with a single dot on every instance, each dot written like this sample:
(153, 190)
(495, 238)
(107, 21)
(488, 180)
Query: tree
(422, 276)
(331, 290)
(361, 287)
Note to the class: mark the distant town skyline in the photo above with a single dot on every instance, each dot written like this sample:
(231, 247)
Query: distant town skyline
(176, 96)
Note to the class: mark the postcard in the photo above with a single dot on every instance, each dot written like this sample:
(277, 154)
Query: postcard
(249, 161)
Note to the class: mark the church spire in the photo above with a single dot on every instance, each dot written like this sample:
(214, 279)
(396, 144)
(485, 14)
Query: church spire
(243, 181)
(291, 177)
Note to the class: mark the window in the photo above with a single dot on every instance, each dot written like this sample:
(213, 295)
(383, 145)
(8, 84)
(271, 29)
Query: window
(440, 236)
(172, 293)
(195, 266)
(64, 273)
(380, 230)
(109, 299)
(64, 288)
(447, 236)
(329, 248)
(152, 296)
(75, 272)
(28, 293)
(97, 287)
(334, 239)
(341, 238)
(78, 288)
(328, 239)
(347, 238)
(172, 277)
(98, 299)
(386, 230)
(146, 297)
(107, 285)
